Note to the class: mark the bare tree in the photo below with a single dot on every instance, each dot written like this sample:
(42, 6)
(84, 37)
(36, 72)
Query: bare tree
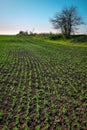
(67, 20)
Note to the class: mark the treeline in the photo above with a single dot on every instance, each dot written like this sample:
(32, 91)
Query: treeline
(52, 36)
(42, 35)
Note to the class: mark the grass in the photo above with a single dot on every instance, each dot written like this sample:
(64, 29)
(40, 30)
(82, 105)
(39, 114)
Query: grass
(42, 83)
(74, 40)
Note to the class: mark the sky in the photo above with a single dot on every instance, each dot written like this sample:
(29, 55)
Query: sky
(34, 15)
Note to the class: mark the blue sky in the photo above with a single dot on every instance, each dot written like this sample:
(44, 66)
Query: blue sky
(28, 15)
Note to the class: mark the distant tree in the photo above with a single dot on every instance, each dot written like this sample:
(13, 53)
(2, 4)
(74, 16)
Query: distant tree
(31, 33)
(26, 33)
(67, 20)
(23, 33)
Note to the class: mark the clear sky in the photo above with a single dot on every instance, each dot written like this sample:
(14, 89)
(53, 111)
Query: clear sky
(28, 15)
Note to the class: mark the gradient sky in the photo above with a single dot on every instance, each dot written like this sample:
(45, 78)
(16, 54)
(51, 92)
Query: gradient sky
(28, 15)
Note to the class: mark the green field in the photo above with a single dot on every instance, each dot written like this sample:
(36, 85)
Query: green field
(43, 84)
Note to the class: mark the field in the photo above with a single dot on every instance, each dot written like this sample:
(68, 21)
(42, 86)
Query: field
(43, 84)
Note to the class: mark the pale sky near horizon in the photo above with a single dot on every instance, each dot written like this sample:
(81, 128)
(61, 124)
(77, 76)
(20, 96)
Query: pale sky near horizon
(28, 15)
